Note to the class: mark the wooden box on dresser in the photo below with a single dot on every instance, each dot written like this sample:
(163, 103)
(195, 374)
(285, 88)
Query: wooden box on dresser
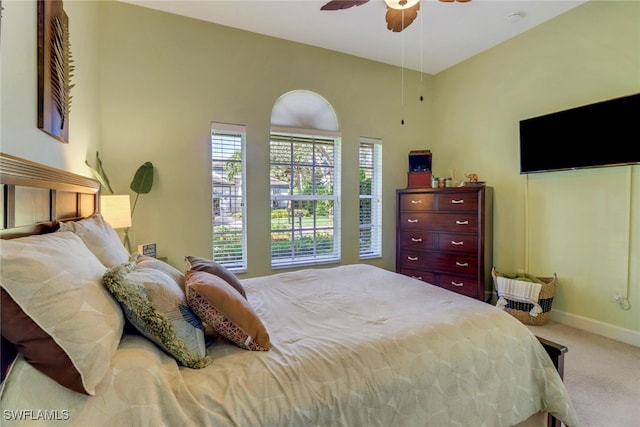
(444, 237)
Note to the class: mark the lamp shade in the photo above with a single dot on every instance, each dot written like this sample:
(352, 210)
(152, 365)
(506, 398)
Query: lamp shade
(401, 4)
(116, 210)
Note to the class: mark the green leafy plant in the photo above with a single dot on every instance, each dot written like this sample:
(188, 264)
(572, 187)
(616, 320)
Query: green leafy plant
(100, 174)
(141, 183)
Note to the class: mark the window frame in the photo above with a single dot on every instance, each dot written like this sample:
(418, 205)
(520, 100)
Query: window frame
(375, 225)
(237, 131)
(311, 136)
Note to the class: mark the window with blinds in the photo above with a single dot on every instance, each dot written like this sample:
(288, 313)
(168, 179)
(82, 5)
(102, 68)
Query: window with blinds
(370, 198)
(228, 195)
(305, 194)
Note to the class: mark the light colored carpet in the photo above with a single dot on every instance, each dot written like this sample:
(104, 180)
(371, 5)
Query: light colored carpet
(602, 376)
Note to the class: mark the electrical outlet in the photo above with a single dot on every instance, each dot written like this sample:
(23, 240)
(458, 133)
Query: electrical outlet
(616, 295)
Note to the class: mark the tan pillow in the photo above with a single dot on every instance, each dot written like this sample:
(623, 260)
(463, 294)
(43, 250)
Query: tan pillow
(55, 309)
(220, 306)
(202, 264)
(100, 238)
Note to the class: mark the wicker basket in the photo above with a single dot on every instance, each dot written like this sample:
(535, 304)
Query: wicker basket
(520, 310)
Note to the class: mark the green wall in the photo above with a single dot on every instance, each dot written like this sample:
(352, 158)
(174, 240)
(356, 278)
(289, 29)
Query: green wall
(148, 85)
(583, 225)
(165, 78)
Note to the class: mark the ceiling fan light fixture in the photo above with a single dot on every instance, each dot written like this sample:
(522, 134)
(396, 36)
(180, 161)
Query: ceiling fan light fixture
(401, 4)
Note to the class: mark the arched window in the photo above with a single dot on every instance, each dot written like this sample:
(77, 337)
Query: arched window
(304, 181)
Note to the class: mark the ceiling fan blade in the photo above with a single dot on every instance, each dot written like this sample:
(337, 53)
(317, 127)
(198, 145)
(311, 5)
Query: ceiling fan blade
(395, 20)
(339, 4)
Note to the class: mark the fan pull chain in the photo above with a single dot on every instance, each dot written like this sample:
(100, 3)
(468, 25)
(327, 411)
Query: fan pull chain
(402, 69)
(421, 71)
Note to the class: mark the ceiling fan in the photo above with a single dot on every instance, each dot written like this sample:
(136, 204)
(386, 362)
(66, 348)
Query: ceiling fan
(400, 13)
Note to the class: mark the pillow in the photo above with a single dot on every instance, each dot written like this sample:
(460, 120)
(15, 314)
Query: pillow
(100, 238)
(37, 346)
(218, 304)
(156, 306)
(202, 264)
(55, 309)
(145, 261)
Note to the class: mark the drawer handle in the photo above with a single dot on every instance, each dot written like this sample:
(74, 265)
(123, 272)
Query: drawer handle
(412, 221)
(416, 202)
(462, 264)
(457, 202)
(453, 242)
(462, 222)
(412, 258)
(413, 239)
(457, 284)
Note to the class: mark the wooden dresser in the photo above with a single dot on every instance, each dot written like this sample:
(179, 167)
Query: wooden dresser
(444, 237)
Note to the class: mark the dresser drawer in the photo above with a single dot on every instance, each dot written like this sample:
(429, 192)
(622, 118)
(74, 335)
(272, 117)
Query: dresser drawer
(425, 276)
(439, 261)
(456, 242)
(459, 222)
(463, 285)
(458, 202)
(417, 239)
(417, 202)
(458, 264)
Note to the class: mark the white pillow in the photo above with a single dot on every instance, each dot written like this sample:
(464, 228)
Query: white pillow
(56, 284)
(100, 238)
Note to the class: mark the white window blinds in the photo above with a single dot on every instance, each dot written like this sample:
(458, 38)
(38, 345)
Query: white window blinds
(228, 195)
(305, 192)
(370, 198)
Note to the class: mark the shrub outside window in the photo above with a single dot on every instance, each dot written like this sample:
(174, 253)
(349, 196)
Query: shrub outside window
(305, 193)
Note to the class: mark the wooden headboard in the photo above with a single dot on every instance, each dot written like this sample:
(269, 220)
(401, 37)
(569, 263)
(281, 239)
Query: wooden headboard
(34, 199)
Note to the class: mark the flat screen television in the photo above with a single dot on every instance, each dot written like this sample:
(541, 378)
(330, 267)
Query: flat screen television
(606, 133)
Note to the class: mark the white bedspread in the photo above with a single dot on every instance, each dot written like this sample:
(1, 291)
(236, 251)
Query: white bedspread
(352, 346)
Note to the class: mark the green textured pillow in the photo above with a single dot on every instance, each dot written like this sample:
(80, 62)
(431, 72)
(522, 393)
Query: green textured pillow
(156, 306)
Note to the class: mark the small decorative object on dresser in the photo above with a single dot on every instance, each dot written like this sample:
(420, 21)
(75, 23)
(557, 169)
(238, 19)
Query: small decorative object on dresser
(473, 180)
(419, 174)
(444, 237)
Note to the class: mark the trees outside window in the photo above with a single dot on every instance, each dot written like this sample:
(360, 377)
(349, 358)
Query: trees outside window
(228, 195)
(305, 190)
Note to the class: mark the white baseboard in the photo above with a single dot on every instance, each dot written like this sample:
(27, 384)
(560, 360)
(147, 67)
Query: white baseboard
(594, 326)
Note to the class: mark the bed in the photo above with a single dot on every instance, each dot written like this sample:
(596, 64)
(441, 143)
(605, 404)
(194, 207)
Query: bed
(352, 345)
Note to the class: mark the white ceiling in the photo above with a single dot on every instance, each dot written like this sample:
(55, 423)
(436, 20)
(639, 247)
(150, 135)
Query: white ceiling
(443, 35)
